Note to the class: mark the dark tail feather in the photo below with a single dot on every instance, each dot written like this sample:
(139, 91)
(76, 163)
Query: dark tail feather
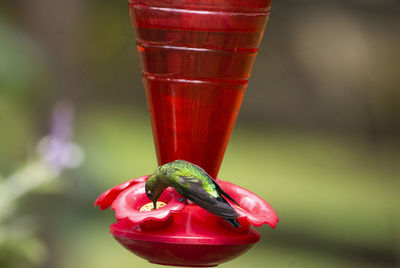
(233, 222)
(229, 197)
(219, 189)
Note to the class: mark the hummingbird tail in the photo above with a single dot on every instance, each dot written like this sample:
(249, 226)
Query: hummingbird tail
(234, 222)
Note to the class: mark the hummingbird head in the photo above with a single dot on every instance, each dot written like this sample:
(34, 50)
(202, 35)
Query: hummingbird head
(154, 188)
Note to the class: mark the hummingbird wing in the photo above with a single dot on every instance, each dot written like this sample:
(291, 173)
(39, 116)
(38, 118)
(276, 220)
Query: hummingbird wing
(192, 188)
(219, 189)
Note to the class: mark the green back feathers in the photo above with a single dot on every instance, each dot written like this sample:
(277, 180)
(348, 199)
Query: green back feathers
(186, 174)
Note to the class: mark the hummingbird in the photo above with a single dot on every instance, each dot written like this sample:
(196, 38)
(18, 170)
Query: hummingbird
(194, 184)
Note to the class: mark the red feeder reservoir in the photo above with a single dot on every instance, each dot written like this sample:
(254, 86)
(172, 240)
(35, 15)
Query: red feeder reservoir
(196, 58)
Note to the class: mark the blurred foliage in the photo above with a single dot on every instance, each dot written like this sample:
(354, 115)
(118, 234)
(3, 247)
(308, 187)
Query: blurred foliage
(317, 136)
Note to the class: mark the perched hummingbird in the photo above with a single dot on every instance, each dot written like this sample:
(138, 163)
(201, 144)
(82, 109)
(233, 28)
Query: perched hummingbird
(193, 183)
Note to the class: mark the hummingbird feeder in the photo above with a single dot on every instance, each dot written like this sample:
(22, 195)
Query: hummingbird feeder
(196, 58)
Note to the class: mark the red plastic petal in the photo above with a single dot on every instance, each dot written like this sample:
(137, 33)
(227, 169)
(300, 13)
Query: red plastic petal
(107, 198)
(127, 205)
(253, 207)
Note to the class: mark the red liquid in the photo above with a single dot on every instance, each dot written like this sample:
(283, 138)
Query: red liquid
(196, 58)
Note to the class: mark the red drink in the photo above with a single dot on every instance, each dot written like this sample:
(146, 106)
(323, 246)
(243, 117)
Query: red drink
(196, 59)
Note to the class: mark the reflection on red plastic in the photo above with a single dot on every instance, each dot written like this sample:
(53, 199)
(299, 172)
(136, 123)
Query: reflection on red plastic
(252, 207)
(185, 231)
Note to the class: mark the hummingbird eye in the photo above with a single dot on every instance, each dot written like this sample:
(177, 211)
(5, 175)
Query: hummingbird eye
(150, 194)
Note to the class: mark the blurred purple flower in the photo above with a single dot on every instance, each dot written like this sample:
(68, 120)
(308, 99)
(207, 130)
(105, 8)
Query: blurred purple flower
(56, 149)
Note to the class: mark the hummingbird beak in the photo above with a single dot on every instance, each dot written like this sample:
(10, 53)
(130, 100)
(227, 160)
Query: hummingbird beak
(155, 204)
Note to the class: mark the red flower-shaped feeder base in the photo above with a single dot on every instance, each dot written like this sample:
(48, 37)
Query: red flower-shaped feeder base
(183, 235)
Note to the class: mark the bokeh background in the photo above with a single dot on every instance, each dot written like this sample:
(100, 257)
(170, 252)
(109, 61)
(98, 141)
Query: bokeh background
(318, 134)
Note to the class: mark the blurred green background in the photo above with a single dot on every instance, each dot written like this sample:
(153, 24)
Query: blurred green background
(317, 135)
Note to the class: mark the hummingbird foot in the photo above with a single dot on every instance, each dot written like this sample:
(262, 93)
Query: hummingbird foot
(183, 200)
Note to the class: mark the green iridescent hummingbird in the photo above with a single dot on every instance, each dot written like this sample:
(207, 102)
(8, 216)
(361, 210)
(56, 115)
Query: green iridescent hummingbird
(194, 184)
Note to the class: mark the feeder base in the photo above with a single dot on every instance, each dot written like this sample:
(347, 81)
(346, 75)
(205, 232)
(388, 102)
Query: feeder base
(193, 238)
(188, 255)
(184, 235)
(166, 264)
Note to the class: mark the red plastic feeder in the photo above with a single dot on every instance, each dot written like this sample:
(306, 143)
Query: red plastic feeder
(183, 235)
(196, 58)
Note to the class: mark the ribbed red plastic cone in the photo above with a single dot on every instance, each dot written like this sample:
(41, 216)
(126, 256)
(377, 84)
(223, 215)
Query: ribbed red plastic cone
(196, 58)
